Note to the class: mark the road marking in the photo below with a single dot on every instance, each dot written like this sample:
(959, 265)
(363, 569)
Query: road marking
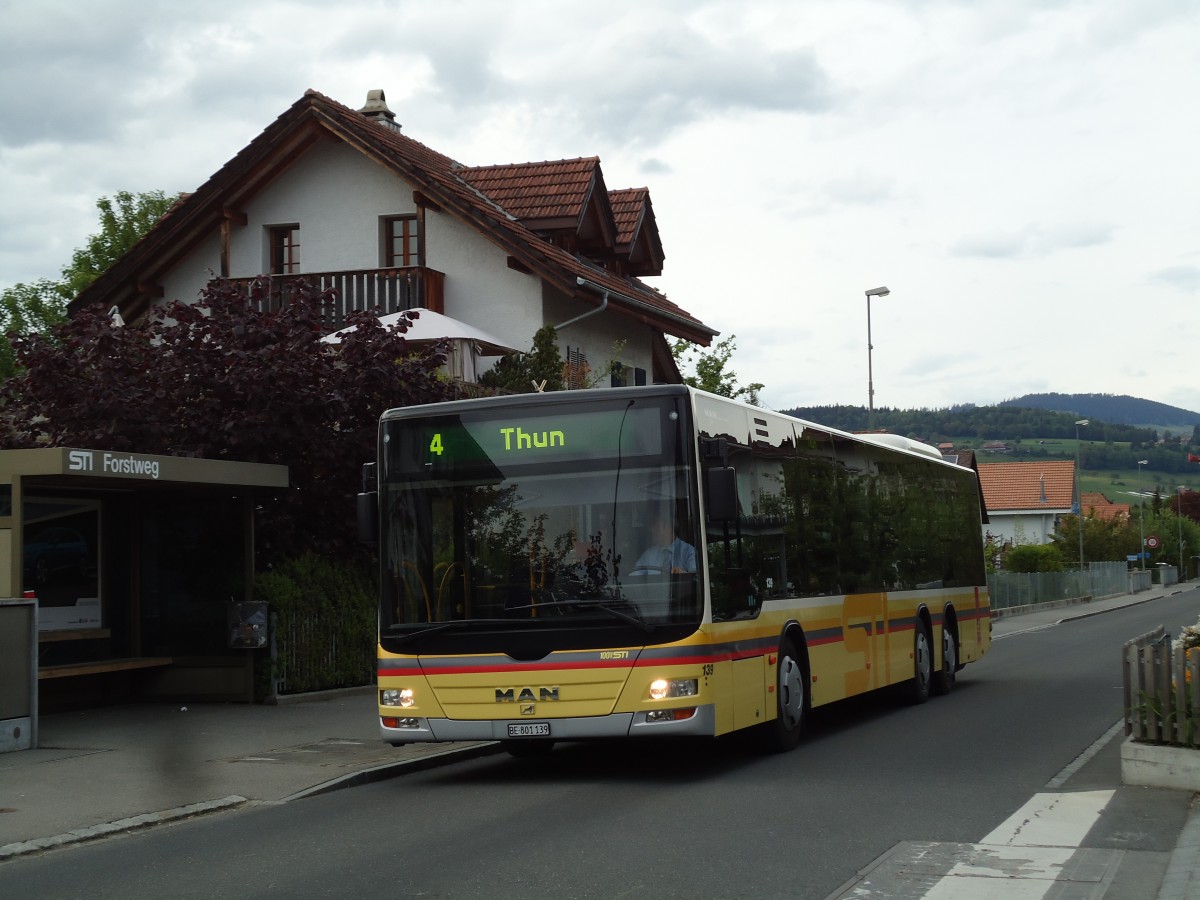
(1034, 851)
(1051, 820)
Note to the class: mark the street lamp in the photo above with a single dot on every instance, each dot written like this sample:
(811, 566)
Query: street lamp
(1179, 489)
(874, 292)
(1079, 493)
(1141, 516)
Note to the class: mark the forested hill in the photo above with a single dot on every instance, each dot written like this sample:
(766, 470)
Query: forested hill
(984, 422)
(1114, 408)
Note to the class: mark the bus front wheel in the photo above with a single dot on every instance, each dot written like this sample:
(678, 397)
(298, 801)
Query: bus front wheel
(792, 700)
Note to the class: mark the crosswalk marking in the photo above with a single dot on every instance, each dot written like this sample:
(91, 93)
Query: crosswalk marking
(1034, 851)
(1051, 820)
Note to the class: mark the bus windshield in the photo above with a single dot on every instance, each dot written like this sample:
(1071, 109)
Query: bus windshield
(538, 518)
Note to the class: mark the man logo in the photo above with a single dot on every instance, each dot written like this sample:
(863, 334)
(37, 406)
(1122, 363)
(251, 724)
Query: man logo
(510, 695)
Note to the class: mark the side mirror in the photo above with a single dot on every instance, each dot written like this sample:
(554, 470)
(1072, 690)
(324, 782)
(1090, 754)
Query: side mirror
(720, 493)
(367, 508)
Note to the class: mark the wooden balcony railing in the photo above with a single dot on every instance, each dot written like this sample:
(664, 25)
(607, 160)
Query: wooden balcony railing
(392, 290)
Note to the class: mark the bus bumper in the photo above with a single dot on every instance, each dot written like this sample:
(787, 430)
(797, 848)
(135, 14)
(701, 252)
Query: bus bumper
(418, 730)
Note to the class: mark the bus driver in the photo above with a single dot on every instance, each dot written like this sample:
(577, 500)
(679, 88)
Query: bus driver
(668, 554)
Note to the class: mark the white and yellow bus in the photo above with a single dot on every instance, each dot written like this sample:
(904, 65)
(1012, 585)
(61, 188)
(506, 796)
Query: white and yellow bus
(826, 564)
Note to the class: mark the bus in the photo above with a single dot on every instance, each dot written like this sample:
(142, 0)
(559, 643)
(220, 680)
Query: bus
(515, 605)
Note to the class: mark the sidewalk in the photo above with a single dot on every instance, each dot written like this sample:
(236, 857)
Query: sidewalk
(115, 768)
(112, 769)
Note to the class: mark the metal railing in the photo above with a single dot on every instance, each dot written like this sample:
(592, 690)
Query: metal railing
(1162, 690)
(392, 290)
(1008, 590)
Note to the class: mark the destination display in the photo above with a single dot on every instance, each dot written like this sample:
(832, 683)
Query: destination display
(456, 442)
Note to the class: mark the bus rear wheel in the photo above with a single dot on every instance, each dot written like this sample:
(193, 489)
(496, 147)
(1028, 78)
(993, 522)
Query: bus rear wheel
(943, 683)
(922, 679)
(792, 700)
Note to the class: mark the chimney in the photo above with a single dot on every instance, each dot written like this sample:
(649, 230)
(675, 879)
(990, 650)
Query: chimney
(376, 108)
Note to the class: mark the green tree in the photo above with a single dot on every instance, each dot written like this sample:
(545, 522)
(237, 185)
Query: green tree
(1104, 540)
(221, 380)
(27, 309)
(124, 220)
(710, 369)
(36, 307)
(539, 369)
(1033, 558)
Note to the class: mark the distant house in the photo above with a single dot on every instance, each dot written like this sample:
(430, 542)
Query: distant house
(995, 447)
(1096, 504)
(345, 200)
(1025, 500)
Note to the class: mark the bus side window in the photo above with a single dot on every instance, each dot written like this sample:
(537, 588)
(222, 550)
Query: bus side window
(734, 546)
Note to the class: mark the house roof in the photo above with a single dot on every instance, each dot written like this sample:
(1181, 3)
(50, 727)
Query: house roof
(1095, 503)
(540, 191)
(1028, 486)
(637, 230)
(442, 183)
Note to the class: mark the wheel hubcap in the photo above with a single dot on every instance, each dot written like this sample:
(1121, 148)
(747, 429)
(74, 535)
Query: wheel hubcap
(924, 667)
(791, 692)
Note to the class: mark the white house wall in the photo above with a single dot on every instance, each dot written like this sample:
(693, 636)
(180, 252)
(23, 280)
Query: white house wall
(480, 287)
(190, 277)
(1020, 528)
(603, 337)
(338, 197)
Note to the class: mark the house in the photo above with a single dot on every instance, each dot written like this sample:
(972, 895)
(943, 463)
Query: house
(1025, 500)
(345, 199)
(1096, 504)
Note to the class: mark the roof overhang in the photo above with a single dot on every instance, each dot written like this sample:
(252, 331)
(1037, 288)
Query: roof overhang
(112, 468)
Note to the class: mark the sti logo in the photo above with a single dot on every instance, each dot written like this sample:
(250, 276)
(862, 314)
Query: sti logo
(80, 461)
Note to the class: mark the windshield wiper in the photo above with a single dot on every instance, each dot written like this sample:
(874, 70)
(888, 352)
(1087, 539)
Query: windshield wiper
(457, 624)
(629, 618)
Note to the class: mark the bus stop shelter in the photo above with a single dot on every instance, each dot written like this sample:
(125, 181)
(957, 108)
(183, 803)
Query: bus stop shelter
(143, 571)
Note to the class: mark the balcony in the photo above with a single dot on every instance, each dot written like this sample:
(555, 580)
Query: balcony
(392, 290)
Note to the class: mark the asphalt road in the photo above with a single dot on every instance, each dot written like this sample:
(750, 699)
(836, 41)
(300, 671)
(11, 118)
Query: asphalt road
(672, 819)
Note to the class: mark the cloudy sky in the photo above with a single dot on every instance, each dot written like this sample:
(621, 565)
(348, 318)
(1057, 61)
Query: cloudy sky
(1022, 175)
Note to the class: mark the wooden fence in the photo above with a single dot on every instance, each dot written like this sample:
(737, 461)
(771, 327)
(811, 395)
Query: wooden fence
(1162, 690)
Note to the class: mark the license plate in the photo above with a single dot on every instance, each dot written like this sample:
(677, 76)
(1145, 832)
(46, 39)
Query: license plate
(529, 729)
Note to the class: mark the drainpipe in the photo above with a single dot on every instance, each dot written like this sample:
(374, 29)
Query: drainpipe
(631, 302)
(583, 282)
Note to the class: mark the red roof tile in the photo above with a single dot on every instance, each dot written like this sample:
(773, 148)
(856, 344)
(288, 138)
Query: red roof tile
(1028, 485)
(538, 190)
(1095, 503)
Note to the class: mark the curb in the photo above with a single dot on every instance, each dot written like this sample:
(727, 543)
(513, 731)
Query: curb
(398, 768)
(95, 832)
(1183, 871)
(148, 820)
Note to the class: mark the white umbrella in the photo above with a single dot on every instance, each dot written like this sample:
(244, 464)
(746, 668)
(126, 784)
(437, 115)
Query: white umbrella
(432, 326)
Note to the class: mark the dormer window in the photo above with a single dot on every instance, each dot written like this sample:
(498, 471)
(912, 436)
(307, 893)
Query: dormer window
(401, 241)
(284, 249)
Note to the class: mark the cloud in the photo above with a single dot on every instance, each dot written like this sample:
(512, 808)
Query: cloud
(1032, 241)
(1185, 278)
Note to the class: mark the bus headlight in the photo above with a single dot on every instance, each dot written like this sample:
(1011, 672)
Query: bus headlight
(396, 697)
(662, 688)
